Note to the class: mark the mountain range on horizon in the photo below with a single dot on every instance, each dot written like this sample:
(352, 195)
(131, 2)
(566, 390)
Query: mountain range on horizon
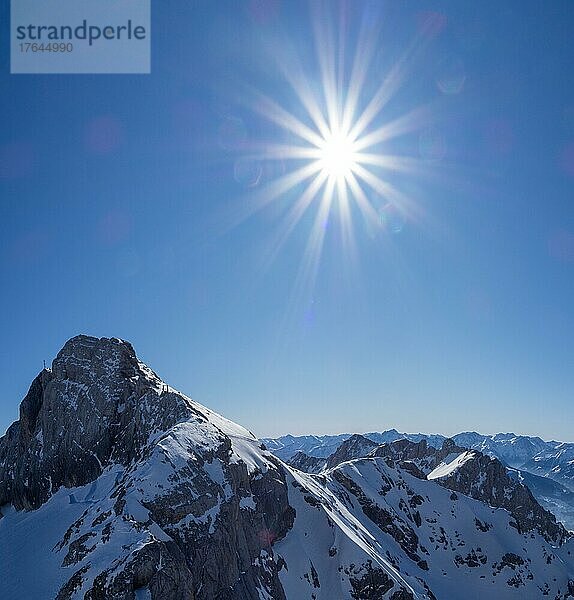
(546, 466)
(114, 485)
(515, 449)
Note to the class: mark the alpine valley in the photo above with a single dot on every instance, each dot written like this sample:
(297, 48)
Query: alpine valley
(115, 486)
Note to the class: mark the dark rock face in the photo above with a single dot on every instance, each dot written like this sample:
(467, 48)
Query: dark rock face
(423, 456)
(19, 449)
(373, 584)
(100, 407)
(357, 446)
(88, 410)
(306, 463)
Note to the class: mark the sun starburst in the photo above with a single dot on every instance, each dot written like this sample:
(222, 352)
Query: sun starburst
(338, 149)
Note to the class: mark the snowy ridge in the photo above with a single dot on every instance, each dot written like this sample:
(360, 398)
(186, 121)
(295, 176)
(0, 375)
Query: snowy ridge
(450, 464)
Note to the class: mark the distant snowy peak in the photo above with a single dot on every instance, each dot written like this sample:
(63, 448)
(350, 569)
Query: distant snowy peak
(320, 446)
(551, 459)
(514, 450)
(545, 458)
(556, 463)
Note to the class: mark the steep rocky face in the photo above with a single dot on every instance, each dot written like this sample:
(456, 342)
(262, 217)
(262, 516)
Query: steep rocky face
(487, 479)
(356, 446)
(306, 463)
(552, 495)
(90, 409)
(95, 413)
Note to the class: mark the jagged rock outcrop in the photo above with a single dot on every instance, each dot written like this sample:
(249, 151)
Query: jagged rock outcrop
(481, 477)
(424, 456)
(356, 446)
(91, 409)
(306, 463)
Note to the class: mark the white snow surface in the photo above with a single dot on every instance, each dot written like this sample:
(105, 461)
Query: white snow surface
(450, 464)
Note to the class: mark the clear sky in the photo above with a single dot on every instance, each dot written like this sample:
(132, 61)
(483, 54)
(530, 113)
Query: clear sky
(456, 314)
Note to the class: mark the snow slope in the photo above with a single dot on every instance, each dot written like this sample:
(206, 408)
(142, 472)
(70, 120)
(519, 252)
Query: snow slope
(450, 464)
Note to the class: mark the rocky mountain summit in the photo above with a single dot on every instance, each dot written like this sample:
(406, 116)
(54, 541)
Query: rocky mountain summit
(115, 486)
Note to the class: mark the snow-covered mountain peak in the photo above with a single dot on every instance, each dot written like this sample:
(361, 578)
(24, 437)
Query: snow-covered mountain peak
(99, 405)
(129, 486)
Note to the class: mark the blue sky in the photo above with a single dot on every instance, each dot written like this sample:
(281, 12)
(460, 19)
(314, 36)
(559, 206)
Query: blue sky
(116, 190)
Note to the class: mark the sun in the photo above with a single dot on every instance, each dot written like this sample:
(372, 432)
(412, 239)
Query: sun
(337, 156)
(332, 142)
